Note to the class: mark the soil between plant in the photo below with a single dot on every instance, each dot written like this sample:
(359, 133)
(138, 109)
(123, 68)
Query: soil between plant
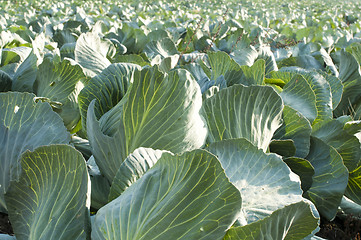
(5, 226)
(343, 227)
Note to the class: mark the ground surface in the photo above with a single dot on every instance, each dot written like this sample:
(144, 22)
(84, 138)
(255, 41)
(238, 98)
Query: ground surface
(5, 226)
(341, 228)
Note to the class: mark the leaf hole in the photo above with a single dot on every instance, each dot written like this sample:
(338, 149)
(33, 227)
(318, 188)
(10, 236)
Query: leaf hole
(16, 109)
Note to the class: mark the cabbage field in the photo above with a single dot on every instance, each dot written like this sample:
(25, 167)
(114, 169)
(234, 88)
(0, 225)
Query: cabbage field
(165, 120)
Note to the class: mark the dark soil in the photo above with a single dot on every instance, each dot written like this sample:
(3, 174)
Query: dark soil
(5, 226)
(343, 227)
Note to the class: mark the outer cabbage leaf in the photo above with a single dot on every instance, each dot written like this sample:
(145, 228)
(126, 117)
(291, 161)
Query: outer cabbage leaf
(119, 49)
(355, 50)
(264, 180)
(124, 36)
(336, 88)
(24, 125)
(82, 145)
(168, 63)
(297, 128)
(295, 221)
(329, 64)
(133, 168)
(160, 112)
(181, 197)
(63, 37)
(164, 47)
(353, 190)
(204, 44)
(350, 207)
(330, 179)
(321, 89)
(348, 146)
(350, 75)
(299, 95)
(13, 55)
(222, 64)
(284, 76)
(202, 79)
(303, 169)
(200, 76)
(254, 74)
(100, 185)
(25, 74)
(108, 87)
(158, 34)
(134, 39)
(356, 111)
(67, 51)
(285, 148)
(266, 54)
(91, 53)
(58, 82)
(50, 198)
(5, 82)
(130, 58)
(253, 113)
(303, 61)
(245, 55)
(353, 127)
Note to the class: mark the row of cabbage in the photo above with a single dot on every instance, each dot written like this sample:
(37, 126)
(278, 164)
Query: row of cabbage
(179, 120)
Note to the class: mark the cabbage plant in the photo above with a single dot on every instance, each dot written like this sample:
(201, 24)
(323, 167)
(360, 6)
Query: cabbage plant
(126, 122)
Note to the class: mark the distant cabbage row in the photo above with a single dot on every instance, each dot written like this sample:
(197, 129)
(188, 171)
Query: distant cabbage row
(185, 120)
